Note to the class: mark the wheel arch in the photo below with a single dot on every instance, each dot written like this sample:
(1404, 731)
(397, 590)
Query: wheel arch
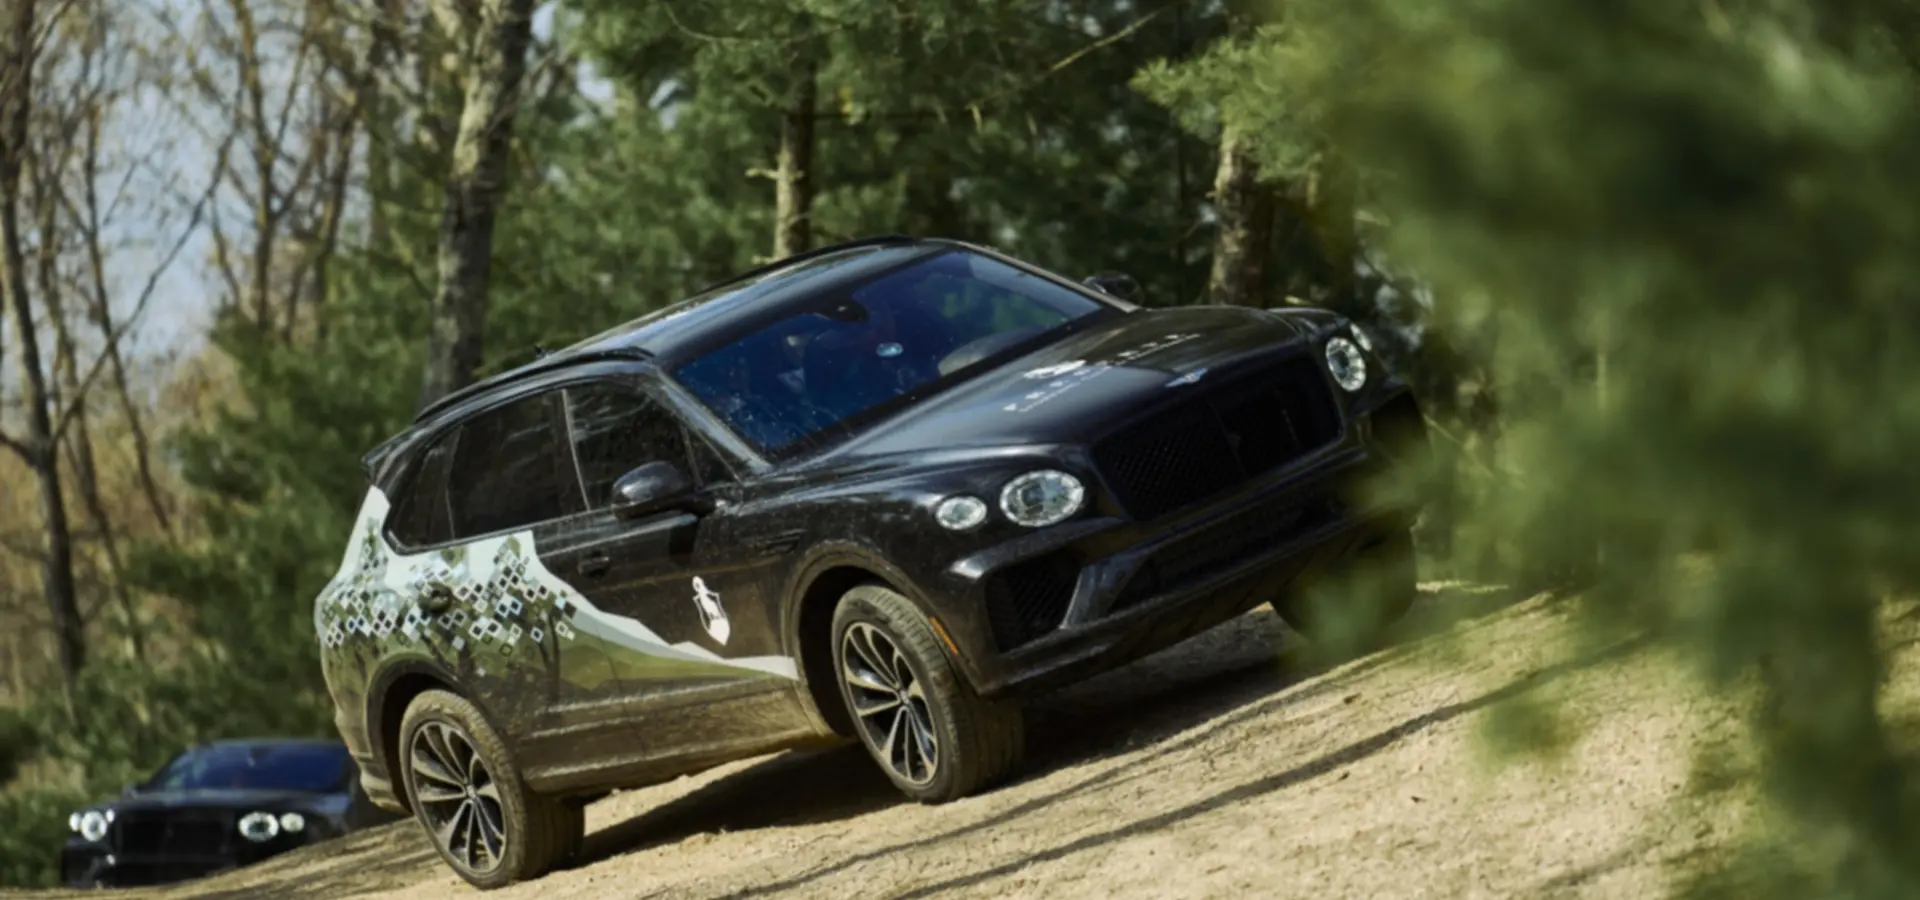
(828, 573)
(392, 692)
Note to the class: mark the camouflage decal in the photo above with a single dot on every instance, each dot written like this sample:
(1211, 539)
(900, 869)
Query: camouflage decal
(503, 599)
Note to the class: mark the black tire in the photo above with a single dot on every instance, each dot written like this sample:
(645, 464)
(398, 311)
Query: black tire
(977, 742)
(535, 832)
(1389, 565)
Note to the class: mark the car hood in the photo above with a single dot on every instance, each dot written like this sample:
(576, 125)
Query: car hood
(233, 799)
(1069, 390)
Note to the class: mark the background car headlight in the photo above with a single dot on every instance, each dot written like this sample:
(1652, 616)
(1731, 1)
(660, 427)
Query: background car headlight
(960, 513)
(259, 826)
(1042, 498)
(1348, 367)
(92, 824)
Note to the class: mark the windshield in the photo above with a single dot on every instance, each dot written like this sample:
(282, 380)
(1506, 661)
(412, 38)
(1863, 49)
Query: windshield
(311, 768)
(856, 354)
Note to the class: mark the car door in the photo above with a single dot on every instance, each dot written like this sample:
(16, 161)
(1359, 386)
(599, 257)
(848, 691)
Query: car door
(695, 643)
(507, 626)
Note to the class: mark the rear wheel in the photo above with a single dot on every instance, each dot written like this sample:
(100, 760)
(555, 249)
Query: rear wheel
(934, 737)
(468, 796)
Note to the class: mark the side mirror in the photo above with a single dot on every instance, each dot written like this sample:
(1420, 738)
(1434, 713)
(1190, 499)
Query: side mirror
(1113, 284)
(651, 488)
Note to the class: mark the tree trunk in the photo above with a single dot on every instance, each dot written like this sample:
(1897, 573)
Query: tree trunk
(793, 192)
(38, 450)
(102, 315)
(497, 62)
(1243, 244)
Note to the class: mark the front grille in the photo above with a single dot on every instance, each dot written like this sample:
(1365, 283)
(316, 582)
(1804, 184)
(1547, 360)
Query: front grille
(1029, 598)
(1212, 443)
(1218, 547)
(169, 833)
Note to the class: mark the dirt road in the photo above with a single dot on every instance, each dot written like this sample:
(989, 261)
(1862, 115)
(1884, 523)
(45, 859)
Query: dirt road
(1215, 769)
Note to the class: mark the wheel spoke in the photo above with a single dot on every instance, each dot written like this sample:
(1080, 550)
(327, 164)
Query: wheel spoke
(893, 735)
(491, 832)
(443, 833)
(437, 747)
(425, 765)
(861, 640)
(490, 790)
(436, 793)
(864, 681)
(868, 710)
(472, 831)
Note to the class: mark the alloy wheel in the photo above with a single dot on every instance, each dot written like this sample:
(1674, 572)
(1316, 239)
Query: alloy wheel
(458, 798)
(890, 703)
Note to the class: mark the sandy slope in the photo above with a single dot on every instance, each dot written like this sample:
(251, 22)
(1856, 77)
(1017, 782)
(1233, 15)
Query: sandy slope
(1206, 771)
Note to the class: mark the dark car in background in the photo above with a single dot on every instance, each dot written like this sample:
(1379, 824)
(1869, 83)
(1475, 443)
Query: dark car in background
(884, 490)
(214, 807)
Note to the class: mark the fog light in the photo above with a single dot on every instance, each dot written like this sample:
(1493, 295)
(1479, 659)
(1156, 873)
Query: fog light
(293, 823)
(960, 513)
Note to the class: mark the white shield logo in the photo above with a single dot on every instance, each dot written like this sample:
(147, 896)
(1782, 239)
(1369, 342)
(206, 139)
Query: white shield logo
(712, 616)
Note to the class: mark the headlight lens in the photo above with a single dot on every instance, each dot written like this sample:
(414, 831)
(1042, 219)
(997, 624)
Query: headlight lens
(91, 824)
(259, 826)
(1362, 338)
(960, 513)
(1348, 367)
(1042, 498)
(293, 823)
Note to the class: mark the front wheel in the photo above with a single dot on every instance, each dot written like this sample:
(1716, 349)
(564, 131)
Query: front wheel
(1372, 590)
(934, 737)
(468, 796)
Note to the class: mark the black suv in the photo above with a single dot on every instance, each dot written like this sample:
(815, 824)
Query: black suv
(885, 489)
(215, 807)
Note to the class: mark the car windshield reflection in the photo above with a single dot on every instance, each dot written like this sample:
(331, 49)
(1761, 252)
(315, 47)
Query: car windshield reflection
(858, 354)
(315, 769)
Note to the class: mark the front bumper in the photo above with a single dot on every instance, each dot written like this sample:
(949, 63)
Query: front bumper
(84, 864)
(1136, 589)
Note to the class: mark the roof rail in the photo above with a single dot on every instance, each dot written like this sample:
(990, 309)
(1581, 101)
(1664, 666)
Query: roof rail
(876, 240)
(545, 363)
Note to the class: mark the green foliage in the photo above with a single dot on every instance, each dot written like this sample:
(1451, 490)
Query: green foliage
(18, 740)
(36, 827)
(1693, 228)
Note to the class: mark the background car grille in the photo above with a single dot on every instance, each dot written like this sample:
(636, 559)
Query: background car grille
(1029, 598)
(172, 832)
(1214, 442)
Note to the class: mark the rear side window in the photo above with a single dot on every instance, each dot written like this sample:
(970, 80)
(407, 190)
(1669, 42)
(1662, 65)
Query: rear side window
(420, 516)
(616, 430)
(507, 470)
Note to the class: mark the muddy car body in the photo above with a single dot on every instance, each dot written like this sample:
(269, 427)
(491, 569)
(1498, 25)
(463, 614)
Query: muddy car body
(886, 489)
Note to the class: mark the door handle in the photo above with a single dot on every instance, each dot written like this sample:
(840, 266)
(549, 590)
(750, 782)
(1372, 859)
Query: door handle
(436, 599)
(595, 564)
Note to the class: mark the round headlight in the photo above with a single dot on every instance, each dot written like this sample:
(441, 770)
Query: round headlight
(259, 826)
(1042, 498)
(1349, 368)
(293, 823)
(92, 825)
(1362, 338)
(960, 513)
